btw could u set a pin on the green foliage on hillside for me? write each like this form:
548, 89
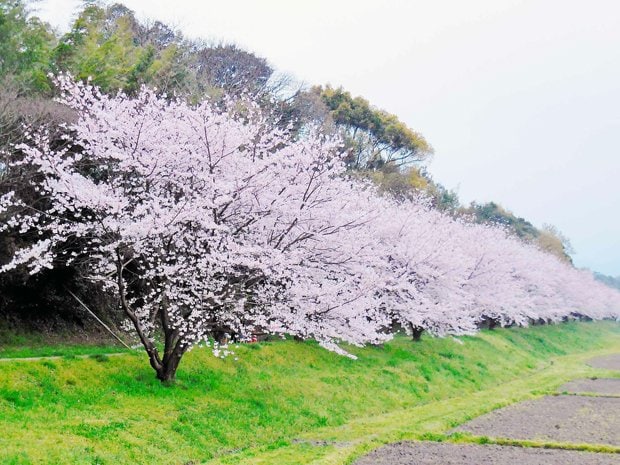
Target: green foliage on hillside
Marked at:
374, 137
110, 410
108, 45
112, 48
494, 213
548, 238
25, 47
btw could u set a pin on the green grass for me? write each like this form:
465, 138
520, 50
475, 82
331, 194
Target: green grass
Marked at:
470, 439
24, 345
281, 402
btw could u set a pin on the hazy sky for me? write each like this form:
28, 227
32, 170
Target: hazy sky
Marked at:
520, 98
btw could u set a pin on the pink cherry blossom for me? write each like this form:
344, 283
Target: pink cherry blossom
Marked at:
204, 219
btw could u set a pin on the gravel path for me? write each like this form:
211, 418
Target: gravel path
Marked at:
571, 419
428, 453
608, 362
600, 386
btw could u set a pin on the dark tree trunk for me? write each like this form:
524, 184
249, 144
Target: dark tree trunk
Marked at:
168, 370
174, 348
165, 367
416, 333
150, 348
488, 323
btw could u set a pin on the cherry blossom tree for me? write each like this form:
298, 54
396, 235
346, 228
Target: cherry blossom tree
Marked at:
205, 219
450, 276
201, 220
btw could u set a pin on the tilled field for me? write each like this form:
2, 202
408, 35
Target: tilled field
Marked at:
429, 453
599, 386
568, 419
608, 362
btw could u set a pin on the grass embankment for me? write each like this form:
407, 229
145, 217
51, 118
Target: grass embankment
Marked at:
280, 402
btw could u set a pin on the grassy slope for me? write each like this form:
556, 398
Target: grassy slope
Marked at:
281, 402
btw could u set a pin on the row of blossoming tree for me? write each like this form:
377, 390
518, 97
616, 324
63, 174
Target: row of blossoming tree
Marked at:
202, 219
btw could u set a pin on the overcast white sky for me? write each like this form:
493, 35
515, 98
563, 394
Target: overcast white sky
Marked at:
520, 98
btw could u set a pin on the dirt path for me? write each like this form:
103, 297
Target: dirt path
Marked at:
59, 357
428, 453
568, 419
598, 386
608, 362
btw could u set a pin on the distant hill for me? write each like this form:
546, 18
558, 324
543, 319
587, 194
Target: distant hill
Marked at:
611, 281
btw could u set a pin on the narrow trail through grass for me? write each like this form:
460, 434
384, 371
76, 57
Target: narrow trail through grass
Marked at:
282, 402
60, 357
35, 346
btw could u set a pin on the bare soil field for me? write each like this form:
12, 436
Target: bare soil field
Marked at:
599, 386
608, 362
568, 419
428, 453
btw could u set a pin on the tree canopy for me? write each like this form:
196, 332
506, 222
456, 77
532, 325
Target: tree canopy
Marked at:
374, 137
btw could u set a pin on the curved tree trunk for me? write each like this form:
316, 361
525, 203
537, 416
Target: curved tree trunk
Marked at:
168, 370
165, 367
